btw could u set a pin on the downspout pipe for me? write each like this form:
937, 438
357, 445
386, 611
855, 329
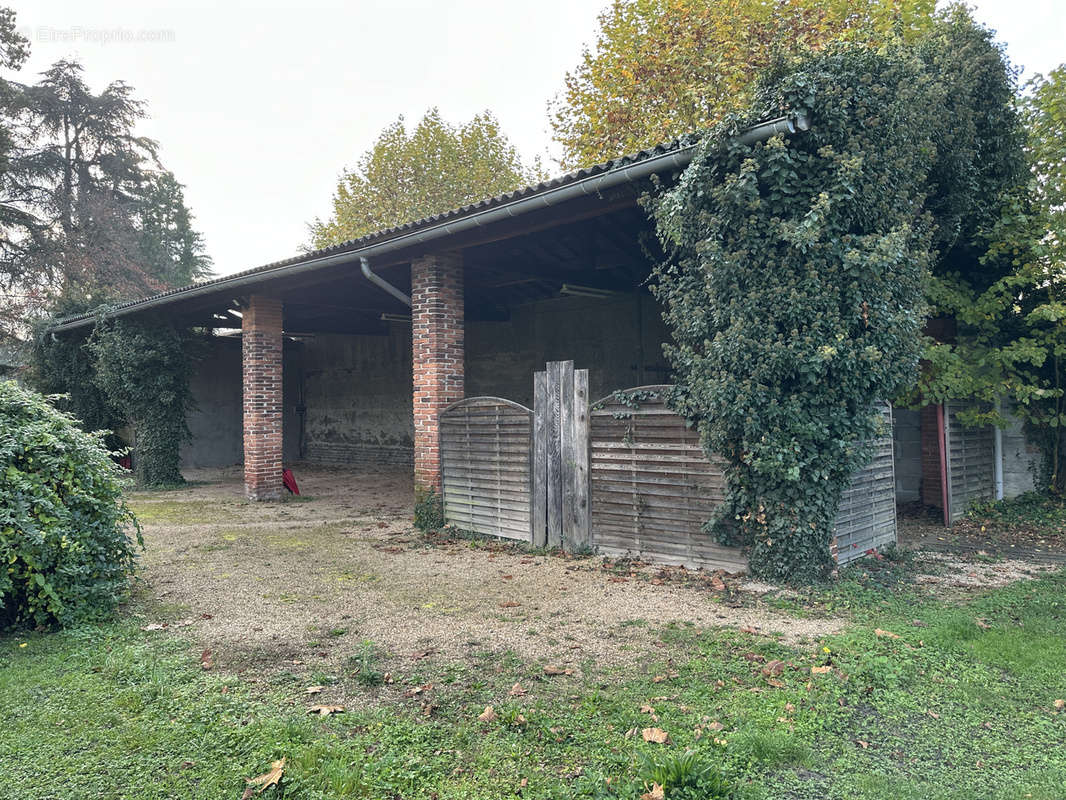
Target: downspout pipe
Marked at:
381, 283
592, 185
997, 453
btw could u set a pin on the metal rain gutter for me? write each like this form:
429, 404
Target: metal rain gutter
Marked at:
592, 185
381, 283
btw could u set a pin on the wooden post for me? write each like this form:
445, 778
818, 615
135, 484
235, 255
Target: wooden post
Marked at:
566, 453
581, 536
539, 479
555, 478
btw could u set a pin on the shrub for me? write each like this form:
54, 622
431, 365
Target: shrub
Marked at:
65, 539
429, 511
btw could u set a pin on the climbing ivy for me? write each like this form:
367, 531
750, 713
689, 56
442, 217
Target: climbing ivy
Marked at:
793, 290
143, 368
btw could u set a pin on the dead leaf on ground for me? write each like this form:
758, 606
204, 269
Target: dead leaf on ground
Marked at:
655, 735
646, 709
717, 584
748, 629
774, 667
883, 634
510, 604
982, 624
154, 626
325, 711
1060, 705
821, 670
714, 726
422, 654
488, 715
933, 714
205, 660
417, 690
313, 689
862, 744
267, 779
517, 690
551, 669
656, 793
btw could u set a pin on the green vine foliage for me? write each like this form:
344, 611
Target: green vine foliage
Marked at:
63, 365
143, 368
794, 291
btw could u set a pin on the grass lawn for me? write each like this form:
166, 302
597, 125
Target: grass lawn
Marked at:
960, 705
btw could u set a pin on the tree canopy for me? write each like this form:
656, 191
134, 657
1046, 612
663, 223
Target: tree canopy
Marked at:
92, 216
1010, 344
435, 167
663, 68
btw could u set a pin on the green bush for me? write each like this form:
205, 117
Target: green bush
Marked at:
429, 511
65, 543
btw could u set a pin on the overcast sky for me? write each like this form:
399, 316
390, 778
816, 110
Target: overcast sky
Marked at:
258, 108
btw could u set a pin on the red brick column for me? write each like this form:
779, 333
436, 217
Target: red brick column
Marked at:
262, 346
438, 352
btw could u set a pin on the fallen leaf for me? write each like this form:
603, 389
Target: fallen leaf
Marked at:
520, 720
775, 683
821, 670
1060, 705
789, 707
715, 726
982, 624
488, 715
510, 604
155, 626
551, 669
656, 735
313, 689
883, 634
933, 714
517, 690
416, 690
717, 584
747, 629
646, 709
774, 667
421, 654
862, 744
325, 711
267, 779
507, 577
656, 793
205, 660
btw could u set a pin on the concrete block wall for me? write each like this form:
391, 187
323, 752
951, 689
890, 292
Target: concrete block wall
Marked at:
358, 399
1021, 461
618, 340
907, 447
215, 421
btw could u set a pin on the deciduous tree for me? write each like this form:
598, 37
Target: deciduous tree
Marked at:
663, 68
433, 168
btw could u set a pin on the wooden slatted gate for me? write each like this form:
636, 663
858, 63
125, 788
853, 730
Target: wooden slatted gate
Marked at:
970, 462
652, 485
485, 446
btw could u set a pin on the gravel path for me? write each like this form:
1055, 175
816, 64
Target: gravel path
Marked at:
270, 584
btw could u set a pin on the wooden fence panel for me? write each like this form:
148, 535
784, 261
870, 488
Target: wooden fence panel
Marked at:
651, 485
970, 463
485, 445
866, 518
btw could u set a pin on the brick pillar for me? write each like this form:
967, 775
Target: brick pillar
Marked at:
262, 348
438, 353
